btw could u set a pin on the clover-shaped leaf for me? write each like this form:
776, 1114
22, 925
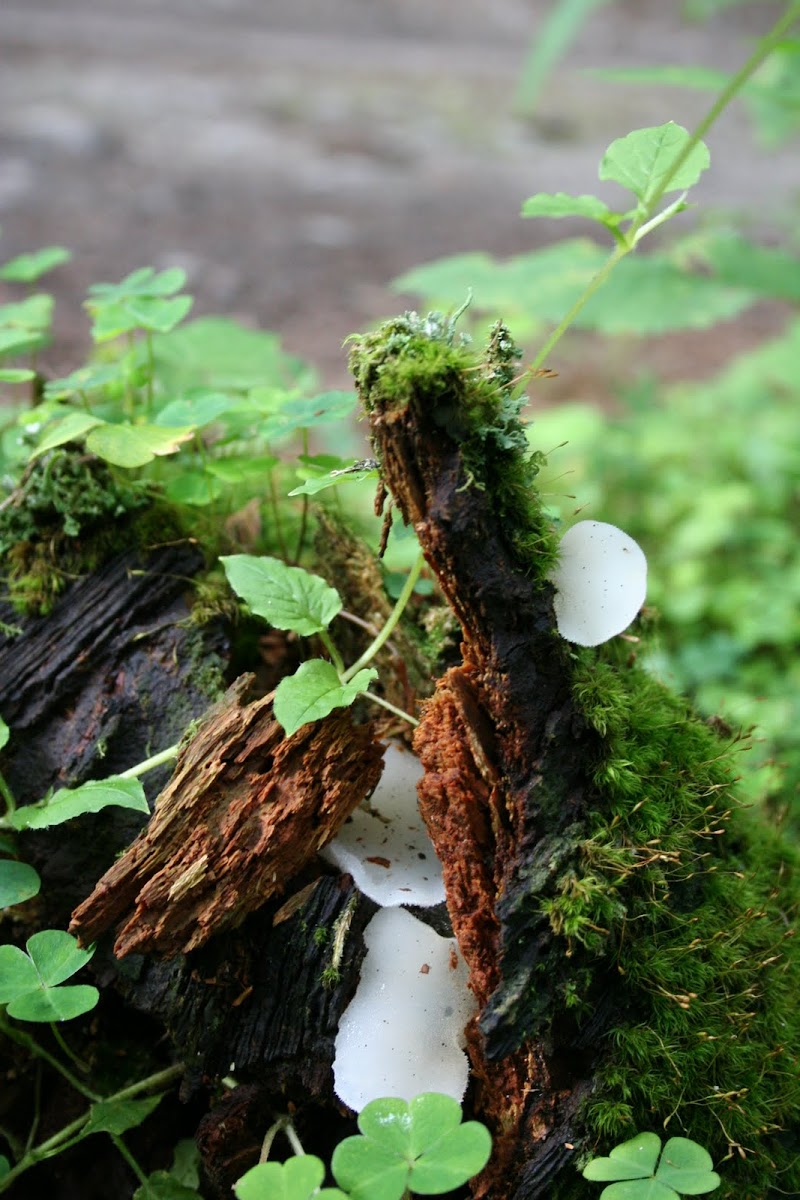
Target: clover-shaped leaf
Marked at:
684, 1169
29, 981
419, 1145
297, 1179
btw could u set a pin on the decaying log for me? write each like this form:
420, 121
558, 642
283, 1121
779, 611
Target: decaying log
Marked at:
113, 673
245, 809
507, 771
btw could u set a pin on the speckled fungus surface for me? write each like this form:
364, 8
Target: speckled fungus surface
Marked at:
385, 846
600, 580
403, 1031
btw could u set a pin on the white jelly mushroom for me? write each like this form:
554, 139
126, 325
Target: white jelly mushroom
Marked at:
385, 846
403, 1030
600, 580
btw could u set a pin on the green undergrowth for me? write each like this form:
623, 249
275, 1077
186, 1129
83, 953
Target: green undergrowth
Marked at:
69, 514
692, 898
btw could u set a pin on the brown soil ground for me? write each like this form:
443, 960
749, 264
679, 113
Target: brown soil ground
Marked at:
296, 158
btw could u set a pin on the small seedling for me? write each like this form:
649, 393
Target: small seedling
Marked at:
641, 1170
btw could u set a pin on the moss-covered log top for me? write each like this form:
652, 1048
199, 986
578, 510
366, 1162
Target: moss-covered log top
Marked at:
629, 930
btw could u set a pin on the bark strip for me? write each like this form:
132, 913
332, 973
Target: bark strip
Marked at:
245, 809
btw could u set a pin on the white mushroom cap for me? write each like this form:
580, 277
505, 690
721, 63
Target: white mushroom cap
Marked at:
403, 1030
600, 580
386, 847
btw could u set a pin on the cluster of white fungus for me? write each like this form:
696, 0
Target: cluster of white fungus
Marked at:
600, 580
403, 1031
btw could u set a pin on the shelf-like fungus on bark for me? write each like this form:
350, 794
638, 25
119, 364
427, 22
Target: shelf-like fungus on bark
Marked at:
600, 580
385, 845
403, 1031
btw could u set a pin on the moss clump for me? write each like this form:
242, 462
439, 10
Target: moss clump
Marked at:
694, 901
69, 514
478, 402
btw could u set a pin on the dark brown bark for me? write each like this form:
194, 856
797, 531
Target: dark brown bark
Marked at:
506, 785
245, 810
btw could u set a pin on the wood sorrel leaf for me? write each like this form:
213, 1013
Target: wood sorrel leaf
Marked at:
18, 882
641, 160
634, 1159
296, 1179
315, 690
90, 797
287, 597
27, 268
687, 1168
54, 1004
29, 981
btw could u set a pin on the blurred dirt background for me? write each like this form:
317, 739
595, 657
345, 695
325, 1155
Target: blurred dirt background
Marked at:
295, 158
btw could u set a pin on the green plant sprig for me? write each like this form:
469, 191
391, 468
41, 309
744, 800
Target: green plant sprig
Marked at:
644, 218
294, 599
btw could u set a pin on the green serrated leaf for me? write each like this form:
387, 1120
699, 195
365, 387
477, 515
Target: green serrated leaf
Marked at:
634, 1159
135, 445
27, 268
641, 160
54, 1004
117, 1116
18, 882
545, 204
90, 797
74, 426
287, 597
314, 691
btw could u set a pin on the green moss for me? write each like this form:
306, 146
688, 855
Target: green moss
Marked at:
70, 514
478, 402
693, 900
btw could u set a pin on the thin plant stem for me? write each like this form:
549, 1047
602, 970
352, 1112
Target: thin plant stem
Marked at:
276, 518
304, 514
72, 1133
329, 645
398, 712
30, 1044
8, 796
129, 1158
149, 764
66, 1048
284, 1125
630, 239
151, 370
391, 622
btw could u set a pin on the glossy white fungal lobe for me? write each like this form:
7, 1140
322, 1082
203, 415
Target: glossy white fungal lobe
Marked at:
385, 845
403, 1031
600, 580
